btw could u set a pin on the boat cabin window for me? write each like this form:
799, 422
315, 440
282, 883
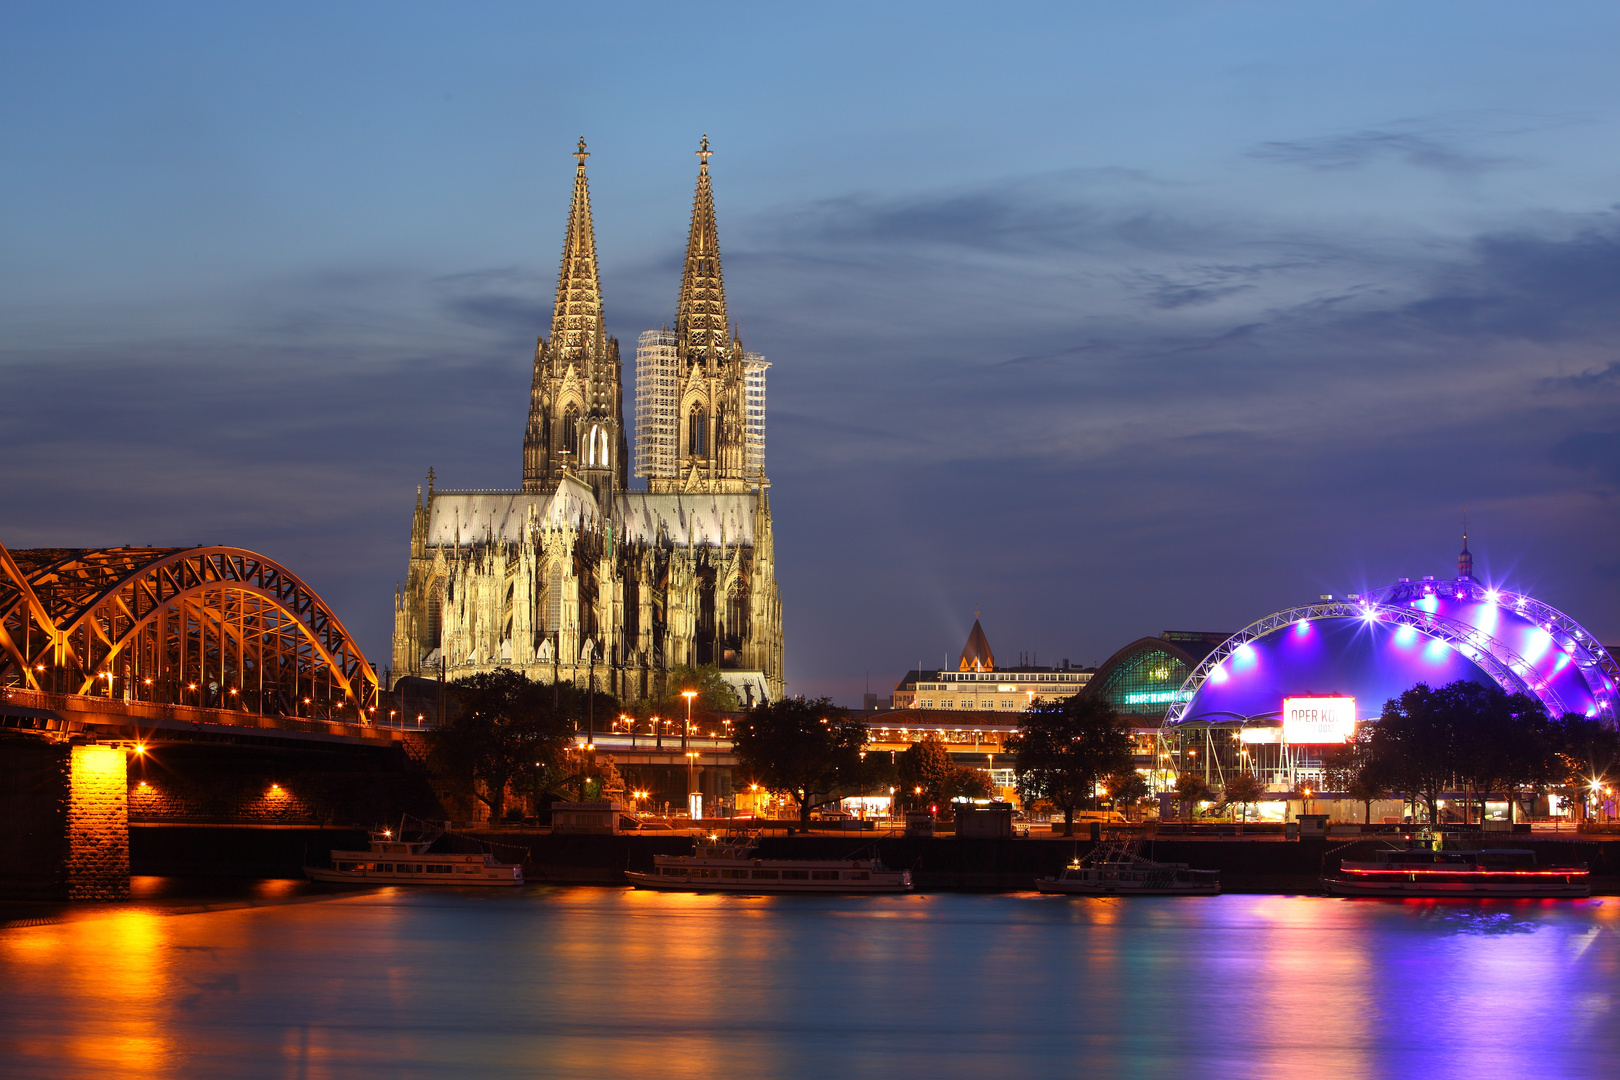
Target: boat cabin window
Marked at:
764, 875
795, 875
733, 873
674, 871
824, 875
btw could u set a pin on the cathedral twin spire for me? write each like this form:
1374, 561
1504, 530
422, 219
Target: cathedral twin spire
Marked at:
575, 410
700, 313
577, 326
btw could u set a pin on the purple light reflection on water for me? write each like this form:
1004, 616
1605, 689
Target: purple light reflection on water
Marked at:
591, 982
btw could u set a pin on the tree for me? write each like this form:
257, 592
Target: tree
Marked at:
1245, 789
1520, 748
1126, 787
714, 693
927, 776
1350, 769
1586, 753
1063, 748
1191, 789
1427, 741
804, 749
505, 729
1365, 786
1416, 741
1339, 767
922, 770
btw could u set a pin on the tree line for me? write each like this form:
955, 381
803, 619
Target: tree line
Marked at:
1474, 739
510, 732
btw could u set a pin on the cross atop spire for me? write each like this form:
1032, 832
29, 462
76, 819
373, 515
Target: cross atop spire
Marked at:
576, 321
700, 312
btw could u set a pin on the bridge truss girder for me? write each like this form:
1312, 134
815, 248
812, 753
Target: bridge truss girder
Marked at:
210, 625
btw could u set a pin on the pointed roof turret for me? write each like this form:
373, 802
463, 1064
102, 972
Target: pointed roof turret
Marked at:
576, 322
1465, 560
700, 313
976, 654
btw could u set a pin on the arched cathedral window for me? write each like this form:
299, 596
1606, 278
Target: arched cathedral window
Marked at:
697, 431
570, 430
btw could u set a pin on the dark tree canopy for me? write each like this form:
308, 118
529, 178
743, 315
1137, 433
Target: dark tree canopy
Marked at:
1191, 789
1126, 787
926, 765
1429, 741
505, 729
1062, 749
806, 749
1244, 789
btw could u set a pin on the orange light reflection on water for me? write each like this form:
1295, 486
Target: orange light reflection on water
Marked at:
116, 960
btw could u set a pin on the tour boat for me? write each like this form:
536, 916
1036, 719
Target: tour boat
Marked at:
728, 864
407, 862
1117, 869
1422, 869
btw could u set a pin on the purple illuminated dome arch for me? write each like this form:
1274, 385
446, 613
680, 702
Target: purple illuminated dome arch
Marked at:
1373, 647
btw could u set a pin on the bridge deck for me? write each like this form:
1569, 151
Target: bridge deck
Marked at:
101, 717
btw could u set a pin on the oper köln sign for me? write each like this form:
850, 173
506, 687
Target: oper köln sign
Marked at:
1318, 719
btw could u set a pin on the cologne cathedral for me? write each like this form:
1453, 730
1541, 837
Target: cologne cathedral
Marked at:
575, 577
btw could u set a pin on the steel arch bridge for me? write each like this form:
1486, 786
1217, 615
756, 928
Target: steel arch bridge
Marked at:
212, 626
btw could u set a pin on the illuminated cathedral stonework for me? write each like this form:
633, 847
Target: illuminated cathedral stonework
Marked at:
575, 577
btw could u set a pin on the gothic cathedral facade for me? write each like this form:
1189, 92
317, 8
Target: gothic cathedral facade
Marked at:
575, 577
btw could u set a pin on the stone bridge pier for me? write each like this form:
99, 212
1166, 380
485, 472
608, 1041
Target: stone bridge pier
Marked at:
67, 821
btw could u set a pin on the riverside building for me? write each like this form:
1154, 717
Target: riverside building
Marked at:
977, 685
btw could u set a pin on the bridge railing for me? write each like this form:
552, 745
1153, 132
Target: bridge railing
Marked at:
67, 705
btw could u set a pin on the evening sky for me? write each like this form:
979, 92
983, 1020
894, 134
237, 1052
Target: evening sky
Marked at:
1102, 319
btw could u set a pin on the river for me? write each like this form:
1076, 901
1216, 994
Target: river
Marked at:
598, 983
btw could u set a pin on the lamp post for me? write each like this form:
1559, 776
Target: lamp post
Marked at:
694, 798
658, 732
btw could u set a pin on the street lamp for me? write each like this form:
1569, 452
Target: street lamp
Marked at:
694, 798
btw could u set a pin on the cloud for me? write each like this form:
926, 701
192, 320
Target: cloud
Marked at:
1100, 412
1609, 375
1363, 148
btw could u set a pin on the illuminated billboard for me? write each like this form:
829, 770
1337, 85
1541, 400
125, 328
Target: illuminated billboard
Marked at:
1318, 719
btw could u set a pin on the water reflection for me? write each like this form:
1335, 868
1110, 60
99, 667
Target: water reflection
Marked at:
600, 982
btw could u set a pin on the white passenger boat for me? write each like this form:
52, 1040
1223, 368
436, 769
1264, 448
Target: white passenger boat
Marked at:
1118, 869
729, 864
394, 861
1424, 869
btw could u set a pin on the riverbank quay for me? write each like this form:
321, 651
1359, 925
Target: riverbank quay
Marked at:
940, 863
